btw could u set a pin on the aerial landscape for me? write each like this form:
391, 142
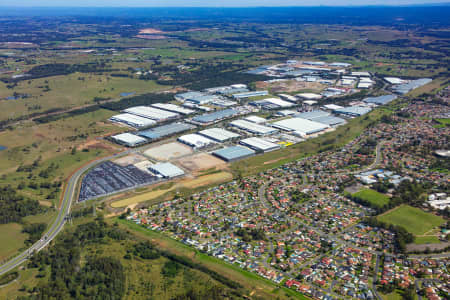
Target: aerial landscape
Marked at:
273, 150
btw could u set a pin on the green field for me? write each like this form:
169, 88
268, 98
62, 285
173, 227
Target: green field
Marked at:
426, 240
11, 239
442, 123
373, 197
414, 220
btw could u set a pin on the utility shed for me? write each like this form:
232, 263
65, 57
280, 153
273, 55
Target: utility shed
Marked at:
166, 170
219, 134
234, 153
259, 144
128, 139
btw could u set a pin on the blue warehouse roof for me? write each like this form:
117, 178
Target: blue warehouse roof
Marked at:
233, 153
215, 116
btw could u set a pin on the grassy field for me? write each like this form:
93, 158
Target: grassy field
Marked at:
442, 123
11, 239
373, 197
426, 240
189, 184
259, 286
412, 219
338, 138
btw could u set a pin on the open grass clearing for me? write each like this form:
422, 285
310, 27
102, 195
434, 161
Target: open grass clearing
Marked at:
373, 197
429, 239
414, 220
157, 192
11, 239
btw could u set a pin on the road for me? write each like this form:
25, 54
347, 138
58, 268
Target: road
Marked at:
58, 224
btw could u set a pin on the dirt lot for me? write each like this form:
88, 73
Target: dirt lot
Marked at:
290, 86
129, 160
168, 151
201, 161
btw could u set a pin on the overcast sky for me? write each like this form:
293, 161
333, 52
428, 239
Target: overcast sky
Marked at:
209, 3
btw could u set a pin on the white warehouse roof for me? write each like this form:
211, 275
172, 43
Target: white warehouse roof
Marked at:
151, 113
129, 139
166, 170
309, 96
253, 127
219, 134
195, 140
132, 120
174, 108
260, 144
255, 119
301, 126
279, 102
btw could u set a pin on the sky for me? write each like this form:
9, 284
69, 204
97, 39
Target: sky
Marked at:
207, 3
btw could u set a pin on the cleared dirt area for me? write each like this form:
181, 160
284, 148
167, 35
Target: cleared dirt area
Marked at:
168, 151
290, 86
201, 161
130, 160
150, 31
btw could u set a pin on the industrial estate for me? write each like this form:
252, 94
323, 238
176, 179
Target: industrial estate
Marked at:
257, 153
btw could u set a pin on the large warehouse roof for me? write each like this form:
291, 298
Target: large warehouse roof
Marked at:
129, 139
309, 96
219, 134
310, 115
195, 140
353, 110
233, 153
250, 94
260, 144
380, 99
165, 130
301, 126
174, 108
166, 170
255, 119
151, 113
132, 120
253, 127
215, 116
330, 120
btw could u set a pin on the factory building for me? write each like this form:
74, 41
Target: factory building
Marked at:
253, 127
230, 154
132, 120
128, 139
309, 96
380, 100
152, 113
166, 170
271, 103
255, 119
219, 135
259, 144
250, 94
195, 141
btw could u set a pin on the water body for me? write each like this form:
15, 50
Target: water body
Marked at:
2, 148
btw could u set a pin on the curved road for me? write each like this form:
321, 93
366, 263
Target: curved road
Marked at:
58, 224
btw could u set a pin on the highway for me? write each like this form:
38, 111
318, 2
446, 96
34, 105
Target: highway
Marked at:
69, 197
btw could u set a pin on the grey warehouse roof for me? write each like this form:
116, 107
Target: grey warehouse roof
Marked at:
165, 130
380, 99
233, 153
310, 115
167, 169
215, 116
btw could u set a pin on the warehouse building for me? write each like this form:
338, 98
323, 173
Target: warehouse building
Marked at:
174, 108
309, 96
259, 145
411, 85
216, 116
250, 94
152, 113
380, 100
234, 153
353, 111
160, 132
255, 119
132, 120
310, 115
166, 170
301, 127
128, 139
271, 103
289, 98
331, 121
195, 141
219, 135
253, 127
188, 95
